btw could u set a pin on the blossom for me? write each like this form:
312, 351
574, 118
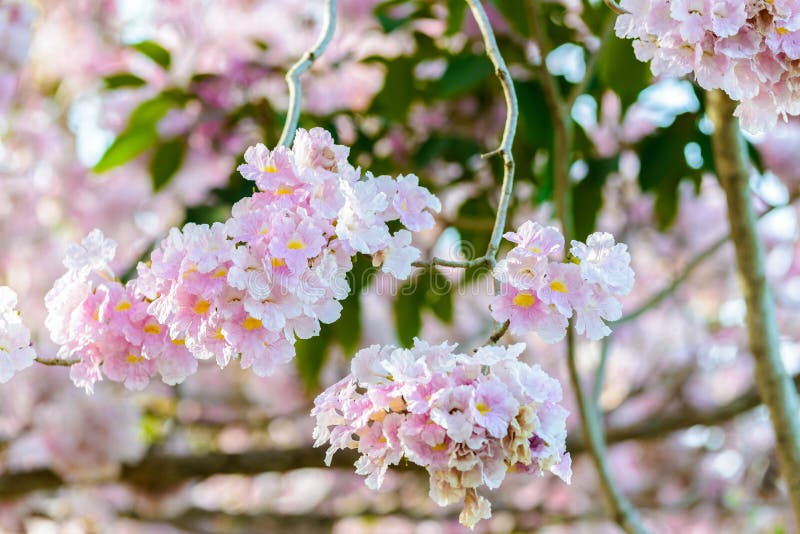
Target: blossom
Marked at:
93, 254
15, 351
747, 49
604, 262
244, 289
467, 420
538, 294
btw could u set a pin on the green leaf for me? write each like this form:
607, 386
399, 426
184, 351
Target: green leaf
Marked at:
619, 70
398, 91
166, 161
149, 112
408, 311
463, 74
535, 122
663, 165
470, 224
514, 13
456, 9
154, 51
127, 146
123, 80
439, 295
588, 196
310, 357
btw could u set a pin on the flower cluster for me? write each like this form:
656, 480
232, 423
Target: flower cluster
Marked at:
15, 339
467, 419
751, 49
245, 288
539, 294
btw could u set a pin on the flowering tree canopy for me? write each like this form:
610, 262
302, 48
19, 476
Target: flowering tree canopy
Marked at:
502, 265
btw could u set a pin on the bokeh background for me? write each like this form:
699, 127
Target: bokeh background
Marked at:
131, 116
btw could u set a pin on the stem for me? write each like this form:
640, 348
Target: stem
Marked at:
504, 150
562, 125
618, 507
510, 130
302, 65
776, 388
615, 7
56, 363
600, 372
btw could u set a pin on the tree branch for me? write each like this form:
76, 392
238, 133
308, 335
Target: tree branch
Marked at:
690, 267
510, 129
160, 473
777, 390
302, 65
619, 508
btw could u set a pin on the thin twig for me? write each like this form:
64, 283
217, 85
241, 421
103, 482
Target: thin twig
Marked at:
615, 7
690, 267
510, 129
302, 65
618, 506
774, 384
591, 66
504, 150
55, 363
600, 372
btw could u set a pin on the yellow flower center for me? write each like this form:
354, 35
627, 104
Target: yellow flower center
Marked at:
123, 305
295, 244
251, 323
218, 334
192, 269
440, 447
535, 250
179, 342
264, 230
483, 408
201, 307
221, 272
269, 167
781, 31
524, 300
278, 262
284, 190
558, 285
132, 358
152, 328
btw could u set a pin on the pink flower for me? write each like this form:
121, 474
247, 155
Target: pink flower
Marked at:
16, 353
411, 202
494, 407
532, 239
269, 170
526, 312
296, 240
563, 287
604, 262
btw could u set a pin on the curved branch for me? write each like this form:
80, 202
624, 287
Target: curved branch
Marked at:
302, 65
510, 129
777, 390
615, 7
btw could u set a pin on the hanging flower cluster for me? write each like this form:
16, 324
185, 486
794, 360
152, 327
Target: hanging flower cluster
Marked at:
750, 49
246, 288
467, 419
539, 294
15, 338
